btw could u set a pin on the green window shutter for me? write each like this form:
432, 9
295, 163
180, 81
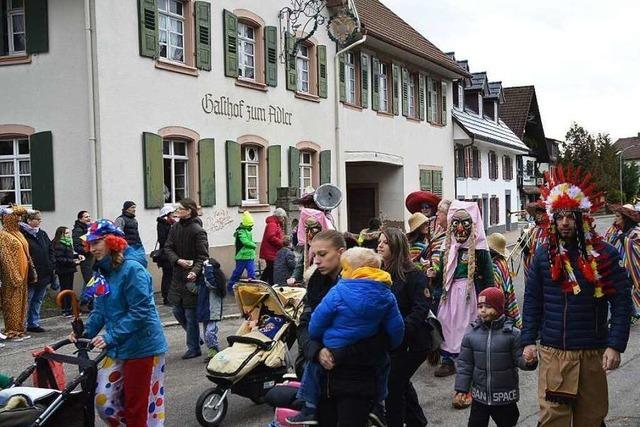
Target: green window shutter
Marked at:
230, 45
42, 188
148, 28
375, 84
274, 163
421, 96
203, 35
153, 170
207, 171
444, 103
271, 56
3, 30
234, 174
396, 80
292, 73
342, 77
325, 166
405, 92
294, 167
322, 71
437, 183
364, 81
426, 182
37, 26
429, 100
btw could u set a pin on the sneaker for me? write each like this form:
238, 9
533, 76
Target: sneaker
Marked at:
36, 329
377, 417
210, 355
191, 354
306, 417
445, 370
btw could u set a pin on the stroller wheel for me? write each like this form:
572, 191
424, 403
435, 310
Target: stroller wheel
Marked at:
206, 412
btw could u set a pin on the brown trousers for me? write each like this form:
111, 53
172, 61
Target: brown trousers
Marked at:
579, 372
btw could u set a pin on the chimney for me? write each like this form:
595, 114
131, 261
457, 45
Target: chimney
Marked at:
638, 134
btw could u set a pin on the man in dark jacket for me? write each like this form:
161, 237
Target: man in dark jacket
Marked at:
573, 283
164, 222
129, 224
186, 250
80, 228
42, 256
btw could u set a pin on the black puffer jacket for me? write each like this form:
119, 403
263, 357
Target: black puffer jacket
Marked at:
129, 224
163, 228
65, 258
79, 230
41, 252
489, 360
414, 304
187, 240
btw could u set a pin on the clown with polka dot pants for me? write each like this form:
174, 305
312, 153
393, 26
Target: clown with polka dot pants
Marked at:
125, 322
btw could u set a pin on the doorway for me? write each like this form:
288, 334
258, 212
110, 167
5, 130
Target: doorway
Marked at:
361, 206
507, 207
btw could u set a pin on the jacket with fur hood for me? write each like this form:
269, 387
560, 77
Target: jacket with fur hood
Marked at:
272, 239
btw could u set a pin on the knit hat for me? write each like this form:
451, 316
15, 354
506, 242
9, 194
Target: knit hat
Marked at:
166, 210
127, 205
493, 297
247, 219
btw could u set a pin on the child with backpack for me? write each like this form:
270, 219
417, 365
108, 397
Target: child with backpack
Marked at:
210, 301
245, 250
494, 386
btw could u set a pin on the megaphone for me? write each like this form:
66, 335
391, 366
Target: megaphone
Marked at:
327, 197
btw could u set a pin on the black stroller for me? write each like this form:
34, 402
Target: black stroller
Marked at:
48, 404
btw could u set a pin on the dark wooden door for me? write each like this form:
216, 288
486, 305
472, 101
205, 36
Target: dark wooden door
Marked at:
361, 207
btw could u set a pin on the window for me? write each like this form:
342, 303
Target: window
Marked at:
507, 168
530, 168
460, 162
176, 170
494, 210
383, 91
302, 66
474, 168
246, 51
493, 165
16, 35
413, 95
15, 171
250, 174
171, 31
435, 99
350, 75
306, 170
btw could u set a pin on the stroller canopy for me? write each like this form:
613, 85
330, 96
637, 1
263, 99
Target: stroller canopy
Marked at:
281, 300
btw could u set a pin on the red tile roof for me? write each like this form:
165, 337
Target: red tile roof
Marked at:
515, 109
380, 22
631, 153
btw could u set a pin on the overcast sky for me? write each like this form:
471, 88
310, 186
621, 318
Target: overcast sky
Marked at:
583, 56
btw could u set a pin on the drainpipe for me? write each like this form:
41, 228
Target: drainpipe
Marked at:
340, 170
92, 89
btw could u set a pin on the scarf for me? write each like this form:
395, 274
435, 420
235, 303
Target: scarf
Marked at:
66, 241
29, 229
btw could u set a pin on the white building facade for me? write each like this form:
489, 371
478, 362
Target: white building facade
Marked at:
156, 100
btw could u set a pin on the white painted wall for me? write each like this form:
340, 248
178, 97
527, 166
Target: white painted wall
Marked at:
50, 94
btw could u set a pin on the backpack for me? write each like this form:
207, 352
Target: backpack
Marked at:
214, 278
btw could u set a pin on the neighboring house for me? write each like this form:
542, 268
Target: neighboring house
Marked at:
157, 100
630, 154
521, 113
485, 149
395, 118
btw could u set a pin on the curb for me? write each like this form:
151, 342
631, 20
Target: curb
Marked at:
170, 323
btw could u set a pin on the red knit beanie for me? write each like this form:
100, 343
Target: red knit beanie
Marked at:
493, 297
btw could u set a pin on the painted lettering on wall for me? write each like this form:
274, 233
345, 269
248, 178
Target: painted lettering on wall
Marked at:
227, 107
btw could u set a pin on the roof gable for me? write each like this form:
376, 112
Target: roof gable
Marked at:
631, 153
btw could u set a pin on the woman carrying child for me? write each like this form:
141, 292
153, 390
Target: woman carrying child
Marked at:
412, 294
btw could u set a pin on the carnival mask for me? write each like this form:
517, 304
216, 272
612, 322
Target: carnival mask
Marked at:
312, 227
461, 225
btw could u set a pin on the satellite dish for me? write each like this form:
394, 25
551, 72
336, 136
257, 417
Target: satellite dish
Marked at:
327, 197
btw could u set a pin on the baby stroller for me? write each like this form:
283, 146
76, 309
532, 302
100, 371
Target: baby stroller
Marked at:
50, 402
258, 355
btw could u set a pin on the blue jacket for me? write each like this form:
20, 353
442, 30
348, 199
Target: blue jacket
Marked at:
573, 322
127, 313
355, 309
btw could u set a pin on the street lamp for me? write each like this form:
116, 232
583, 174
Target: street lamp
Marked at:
619, 153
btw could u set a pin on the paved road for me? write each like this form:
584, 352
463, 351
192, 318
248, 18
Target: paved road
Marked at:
185, 381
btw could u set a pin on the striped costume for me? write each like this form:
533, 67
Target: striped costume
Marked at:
502, 277
628, 246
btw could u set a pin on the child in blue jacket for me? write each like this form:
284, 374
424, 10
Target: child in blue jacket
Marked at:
357, 307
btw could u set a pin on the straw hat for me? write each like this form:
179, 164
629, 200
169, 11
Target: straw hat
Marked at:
416, 220
498, 243
627, 211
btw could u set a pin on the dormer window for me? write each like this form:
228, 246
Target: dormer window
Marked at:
480, 110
